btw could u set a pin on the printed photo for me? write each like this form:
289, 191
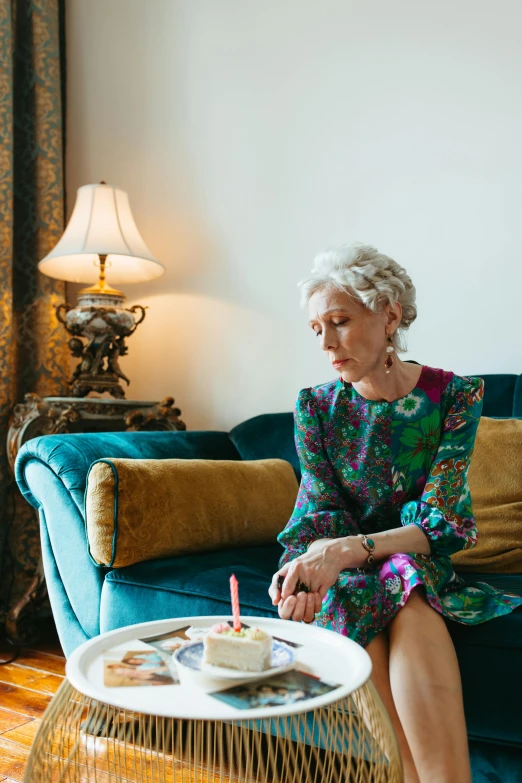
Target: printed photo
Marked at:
170, 641
287, 641
136, 668
288, 688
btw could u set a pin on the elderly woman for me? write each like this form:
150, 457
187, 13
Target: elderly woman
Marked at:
383, 502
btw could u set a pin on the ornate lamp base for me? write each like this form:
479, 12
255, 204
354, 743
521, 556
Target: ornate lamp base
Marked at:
99, 325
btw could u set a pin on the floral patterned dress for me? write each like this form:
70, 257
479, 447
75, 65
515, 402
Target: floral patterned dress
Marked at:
370, 465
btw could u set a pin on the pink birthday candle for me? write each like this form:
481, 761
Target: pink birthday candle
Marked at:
235, 602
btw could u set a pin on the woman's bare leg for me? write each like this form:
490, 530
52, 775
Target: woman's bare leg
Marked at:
377, 649
427, 692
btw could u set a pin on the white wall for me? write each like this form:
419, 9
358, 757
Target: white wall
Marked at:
250, 135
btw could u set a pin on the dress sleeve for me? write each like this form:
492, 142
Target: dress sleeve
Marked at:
444, 510
321, 509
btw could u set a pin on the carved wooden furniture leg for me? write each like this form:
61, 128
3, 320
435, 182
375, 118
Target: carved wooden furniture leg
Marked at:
19, 626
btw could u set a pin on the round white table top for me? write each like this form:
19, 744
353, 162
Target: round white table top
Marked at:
325, 655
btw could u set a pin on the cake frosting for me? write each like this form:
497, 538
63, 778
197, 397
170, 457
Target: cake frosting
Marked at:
249, 649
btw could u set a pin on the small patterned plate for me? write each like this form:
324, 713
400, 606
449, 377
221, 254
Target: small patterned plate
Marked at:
191, 656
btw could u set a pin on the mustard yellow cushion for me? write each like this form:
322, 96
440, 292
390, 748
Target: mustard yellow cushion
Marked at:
495, 481
141, 509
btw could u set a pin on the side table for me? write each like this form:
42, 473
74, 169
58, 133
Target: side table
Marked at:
57, 415
180, 732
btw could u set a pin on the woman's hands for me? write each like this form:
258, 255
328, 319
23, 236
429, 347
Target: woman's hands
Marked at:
303, 606
318, 568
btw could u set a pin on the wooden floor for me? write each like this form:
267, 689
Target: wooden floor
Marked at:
26, 688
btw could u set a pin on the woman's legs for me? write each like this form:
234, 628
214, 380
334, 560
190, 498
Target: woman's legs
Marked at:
378, 651
427, 692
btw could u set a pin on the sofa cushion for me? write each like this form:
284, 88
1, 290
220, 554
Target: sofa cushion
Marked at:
496, 493
197, 584
70, 456
492, 689
139, 510
204, 579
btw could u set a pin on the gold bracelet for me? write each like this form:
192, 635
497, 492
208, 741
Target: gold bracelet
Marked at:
369, 545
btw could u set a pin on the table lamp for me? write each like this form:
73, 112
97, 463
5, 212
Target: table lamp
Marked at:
101, 244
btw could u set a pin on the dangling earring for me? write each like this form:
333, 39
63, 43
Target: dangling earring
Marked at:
389, 350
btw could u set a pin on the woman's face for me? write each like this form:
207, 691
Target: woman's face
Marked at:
353, 335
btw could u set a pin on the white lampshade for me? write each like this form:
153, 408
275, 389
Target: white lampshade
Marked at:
101, 223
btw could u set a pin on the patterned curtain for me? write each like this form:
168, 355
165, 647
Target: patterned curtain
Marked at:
33, 355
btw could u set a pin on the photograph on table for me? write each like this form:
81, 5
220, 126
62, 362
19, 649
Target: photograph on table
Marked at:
135, 668
283, 689
170, 641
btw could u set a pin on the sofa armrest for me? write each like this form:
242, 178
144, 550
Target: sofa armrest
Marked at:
51, 472
70, 456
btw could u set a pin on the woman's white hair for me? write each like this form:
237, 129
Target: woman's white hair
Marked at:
367, 275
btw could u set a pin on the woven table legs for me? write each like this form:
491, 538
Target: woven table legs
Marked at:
81, 739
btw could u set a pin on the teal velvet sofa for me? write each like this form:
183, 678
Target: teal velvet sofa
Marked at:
87, 600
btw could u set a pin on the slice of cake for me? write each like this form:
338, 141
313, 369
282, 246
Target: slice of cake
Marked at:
249, 649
